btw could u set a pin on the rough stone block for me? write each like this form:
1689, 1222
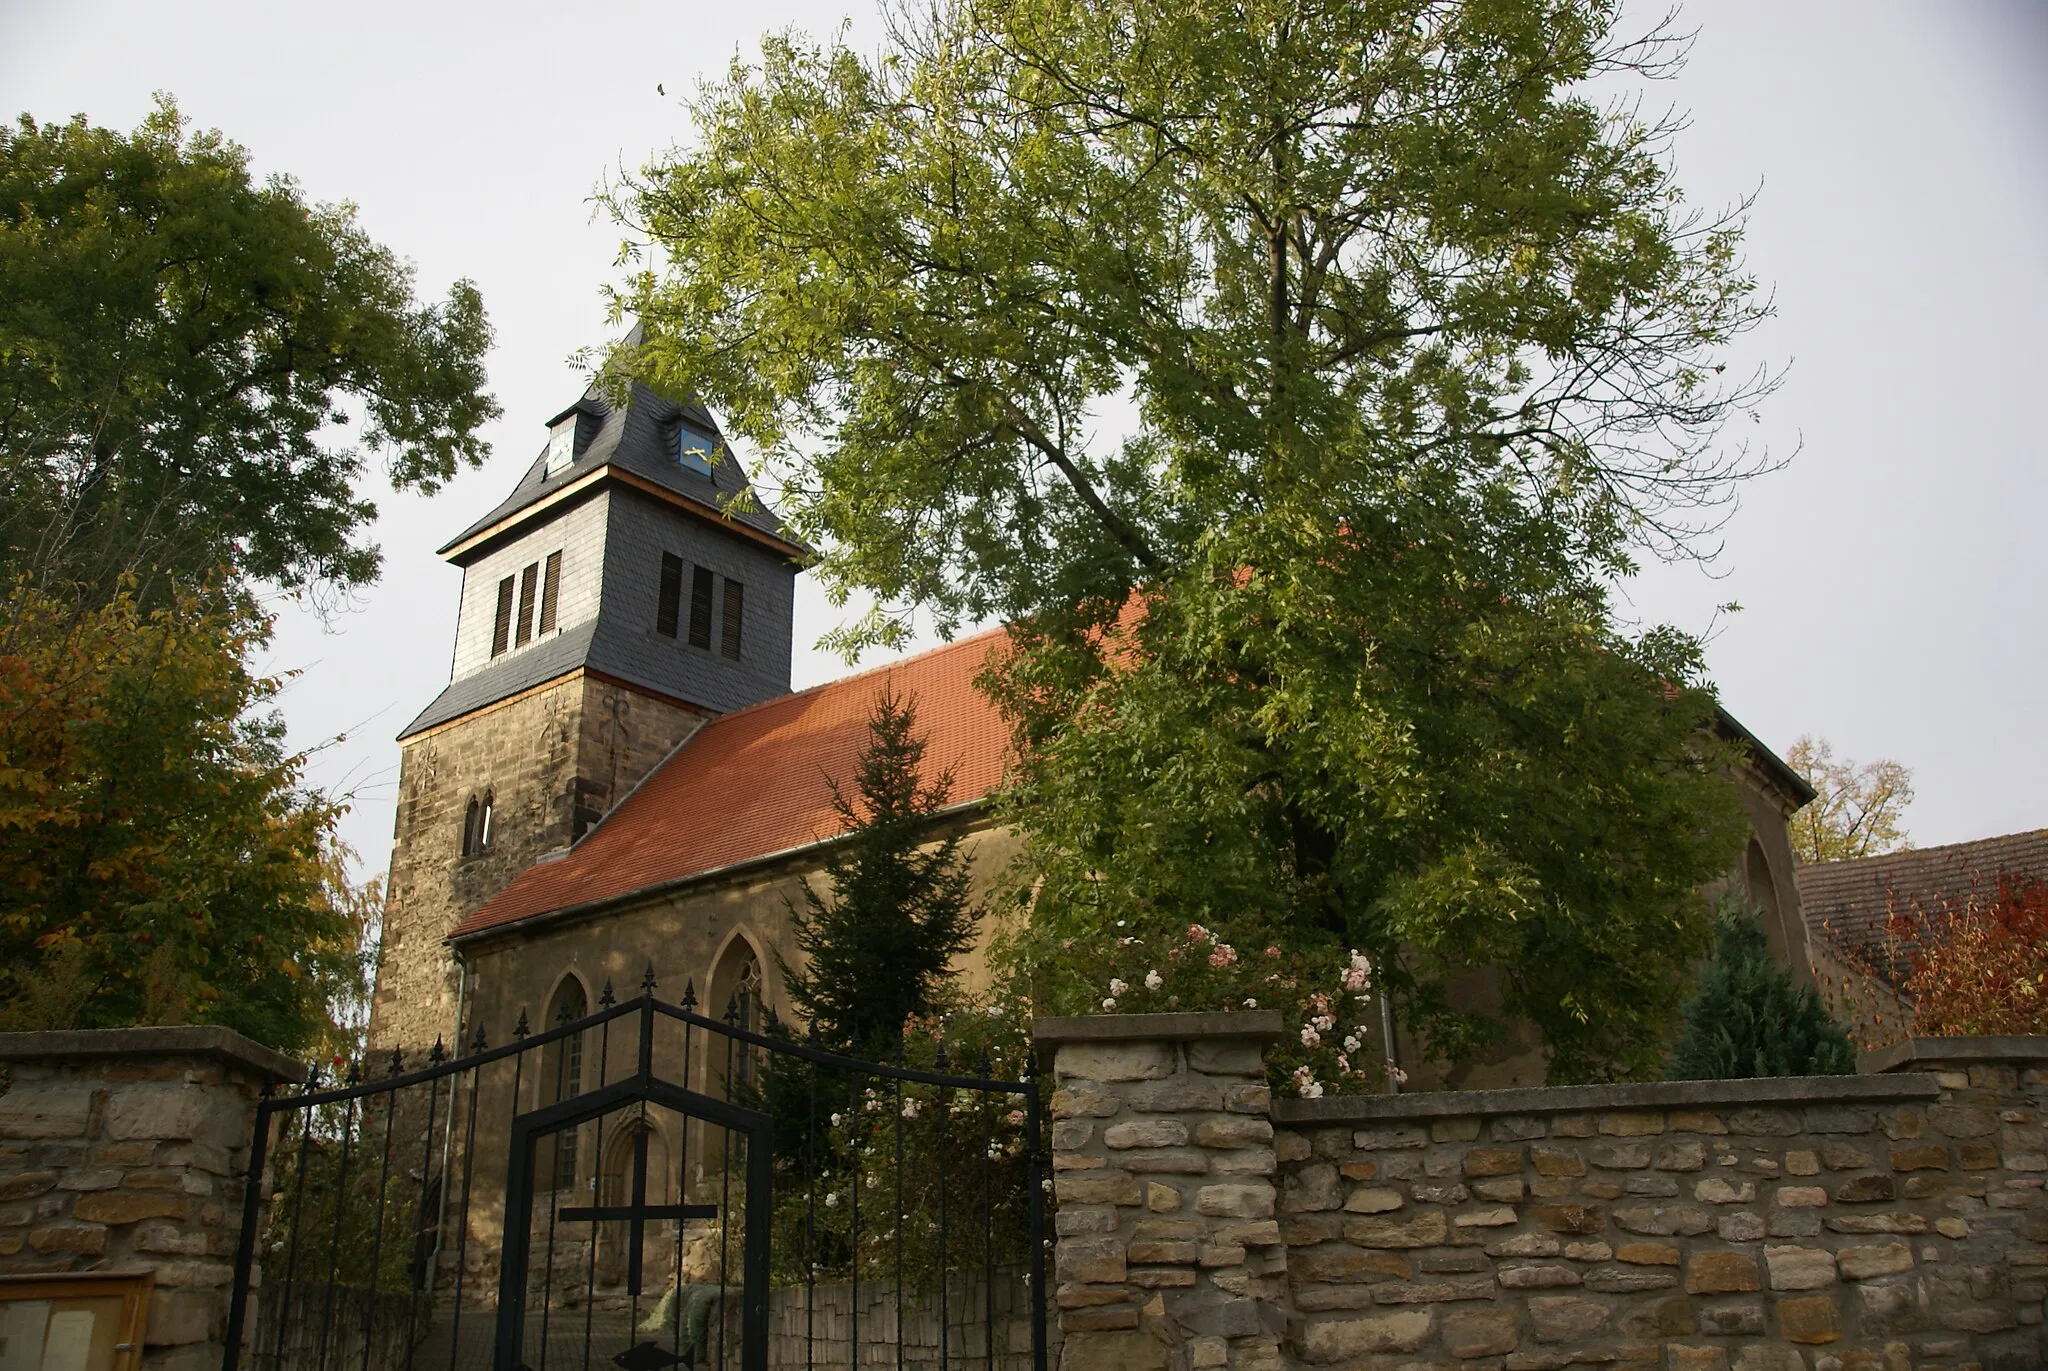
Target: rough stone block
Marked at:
1866, 1189
1233, 1133
1455, 1193
1809, 1319
1800, 1197
185, 1316
1481, 1332
1695, 1121
1588, 1251
1453, 1130
1084, 1101
1566, 1318
1108, 1318
1743, 1318
1622, 1156
1662, 1187
1388, 1137
1341, 1262
1832, 1118
1310, 1189
1976, 1157
1254, 1233
1161, 1199
1537, 1277
1878, 1259
1505, 1188
1721, 1272
1524, 1245
1071, 1134
1647, 1254
1426, 1229
115, 1206
1129, 1061
1433, 1292
33, 1112
1501, 1217
1902, 1221
1245, 1161
1800, 1268
1146, 1133
1683, 1156
1800, 1162
1568, 1218
1162, 1253
1683, 1357
1373, 1200
1962, 1121
1226, 1057
1926, 1157
1113, 1188
1178, 1161
1557, 1161
1664, 1220
1168, 1277
1741, 1226
1716, 1190
1763, 1123
1235, 1201
1176, 1095
1092, 1261
1333, 1340
1841, 1156
1492, 1161
1629, 1280
1632, 1125
69, 1239
1516, 1128
1768, 1357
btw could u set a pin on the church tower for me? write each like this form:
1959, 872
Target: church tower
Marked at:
613, 602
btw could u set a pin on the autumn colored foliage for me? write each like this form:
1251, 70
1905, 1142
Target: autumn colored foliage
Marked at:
165, 861
1974, 966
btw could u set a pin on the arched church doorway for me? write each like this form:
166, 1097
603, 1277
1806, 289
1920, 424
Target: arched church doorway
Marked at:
615, 1187
563, 1070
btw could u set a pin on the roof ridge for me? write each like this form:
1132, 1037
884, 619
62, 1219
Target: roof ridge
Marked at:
876, 670
1907, 854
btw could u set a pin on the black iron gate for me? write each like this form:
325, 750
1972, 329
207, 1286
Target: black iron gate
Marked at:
649, 1187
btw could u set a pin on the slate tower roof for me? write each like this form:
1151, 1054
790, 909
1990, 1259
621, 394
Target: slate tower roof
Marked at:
584, 541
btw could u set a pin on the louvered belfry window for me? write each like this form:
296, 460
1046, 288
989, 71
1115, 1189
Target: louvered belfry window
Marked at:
670, 604
501, 633
700, 607
735, 602
529, 586
550, 592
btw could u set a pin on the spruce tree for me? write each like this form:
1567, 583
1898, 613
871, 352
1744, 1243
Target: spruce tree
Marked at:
1748, 1019
881, 947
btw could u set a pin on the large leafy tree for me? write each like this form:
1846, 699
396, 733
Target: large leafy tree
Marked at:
163, 860
1298, 376
195, 367
1856, 811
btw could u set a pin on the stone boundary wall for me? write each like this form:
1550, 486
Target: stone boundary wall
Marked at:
126, 1150
1884, 1222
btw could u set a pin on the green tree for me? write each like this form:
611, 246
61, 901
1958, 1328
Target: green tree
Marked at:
1856, 811
1748, 1019
194, 366
881, 947
163, 860
1298, 378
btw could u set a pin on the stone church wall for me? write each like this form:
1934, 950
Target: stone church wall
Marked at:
553, 760
1888, 1221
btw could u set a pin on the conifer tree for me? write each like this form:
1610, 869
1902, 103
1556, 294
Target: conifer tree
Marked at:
1748, 1019
881, 947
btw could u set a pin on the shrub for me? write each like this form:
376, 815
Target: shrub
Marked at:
1978, 965
1749, 1019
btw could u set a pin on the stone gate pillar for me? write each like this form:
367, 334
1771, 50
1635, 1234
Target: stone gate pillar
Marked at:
1169, 1255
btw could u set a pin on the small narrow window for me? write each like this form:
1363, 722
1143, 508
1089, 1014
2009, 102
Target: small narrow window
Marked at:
666, 612
469, 817
483, 824
550, 592
735, 602
561, 446
700, 608
529, 584
501, 636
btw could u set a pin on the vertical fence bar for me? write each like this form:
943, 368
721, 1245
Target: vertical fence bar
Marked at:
1037, 1179
811, 1211
899, 1208
468, 1178
252, 1216
732, 1018
291, 1264
341, 1208
383, 1189
988, 1223
419, 1280
939, 1066
604, 1052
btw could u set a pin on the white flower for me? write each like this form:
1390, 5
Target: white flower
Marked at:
1351, 1042
1109, 1003
995, 1011
1118, 987
1251, 1004
1153, 980
832, 1199
835, 1121
1312, 1091
1309, 1036
910, 1109
1324, 1023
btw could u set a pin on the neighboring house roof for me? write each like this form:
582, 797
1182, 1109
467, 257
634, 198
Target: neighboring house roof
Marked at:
1852, 900
754, 783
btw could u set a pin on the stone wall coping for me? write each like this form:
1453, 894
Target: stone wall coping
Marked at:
196, 1040
1261, 1024
1577, 1099
1900, 1056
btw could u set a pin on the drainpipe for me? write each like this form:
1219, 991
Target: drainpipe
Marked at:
1387, 1037
448, 1137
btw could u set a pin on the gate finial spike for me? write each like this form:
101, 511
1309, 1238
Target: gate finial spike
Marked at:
397, 1060
939, 1061
563, 1016
521, 1030
981, 1063
689, 1000
812, 1033
354, 1076
477, 1043
312, 1078
732, 1009
438, 1054
647, 981
607, 999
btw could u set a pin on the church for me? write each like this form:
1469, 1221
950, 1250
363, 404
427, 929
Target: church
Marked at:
618, 774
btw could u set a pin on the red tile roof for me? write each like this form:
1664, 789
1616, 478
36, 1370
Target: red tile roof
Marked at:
1851, 899
753, 783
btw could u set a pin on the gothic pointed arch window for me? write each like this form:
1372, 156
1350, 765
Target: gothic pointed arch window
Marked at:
485, 825
469, 817
562, 1071
738, 991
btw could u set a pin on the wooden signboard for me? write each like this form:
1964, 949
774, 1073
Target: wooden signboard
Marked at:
91, 1322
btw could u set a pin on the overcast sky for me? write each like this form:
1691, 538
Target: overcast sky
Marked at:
1891, 579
